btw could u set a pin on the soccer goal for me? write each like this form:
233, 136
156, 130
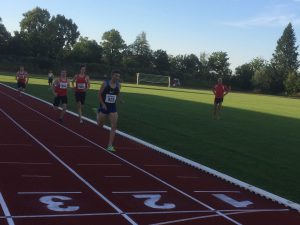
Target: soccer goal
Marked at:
152, 79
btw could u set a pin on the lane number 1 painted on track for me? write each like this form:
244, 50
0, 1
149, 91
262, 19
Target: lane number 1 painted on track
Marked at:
233, 202
56, 203
151, 201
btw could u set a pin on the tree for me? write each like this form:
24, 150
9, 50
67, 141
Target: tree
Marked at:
86, 50
243, 77
191, 65
142, 52
5, 37
47, 37
34, 30
258, 63
292, 83
263, 78
161, 61
219, 62
113, 45
285, 58
62, 34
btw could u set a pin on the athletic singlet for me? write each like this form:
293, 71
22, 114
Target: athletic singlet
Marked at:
81, 83
61, 87
109, 94
21, 76
219, 90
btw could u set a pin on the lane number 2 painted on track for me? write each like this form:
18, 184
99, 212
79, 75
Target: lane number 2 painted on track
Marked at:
151, 201
56, 203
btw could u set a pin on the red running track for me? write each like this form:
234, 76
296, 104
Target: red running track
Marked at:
60, 174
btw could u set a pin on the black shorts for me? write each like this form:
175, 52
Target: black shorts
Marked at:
80, 97
218, 100
21, 85
60, 99
50, 80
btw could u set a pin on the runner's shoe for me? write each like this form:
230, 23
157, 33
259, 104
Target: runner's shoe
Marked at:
111, 148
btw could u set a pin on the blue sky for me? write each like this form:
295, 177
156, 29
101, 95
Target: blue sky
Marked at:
243, 28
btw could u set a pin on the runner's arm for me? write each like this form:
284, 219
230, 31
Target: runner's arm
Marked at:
101, 101
88, 82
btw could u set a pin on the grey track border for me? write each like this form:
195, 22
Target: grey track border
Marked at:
189, 162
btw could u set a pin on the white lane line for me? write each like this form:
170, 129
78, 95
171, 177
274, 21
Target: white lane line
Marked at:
233, 212
162, 165
211, 216
6, 210
187, 177
99, 164
35, 176
217, 191
22, 145
126, 161
137, 192
129, 148
48, 192
25, 163
117, 176
71, 170
72, 146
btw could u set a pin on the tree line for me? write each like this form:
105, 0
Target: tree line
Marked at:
47, 42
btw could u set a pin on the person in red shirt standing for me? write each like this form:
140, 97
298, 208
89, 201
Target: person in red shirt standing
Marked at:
22, 80
82, 83
219, 91
60, 89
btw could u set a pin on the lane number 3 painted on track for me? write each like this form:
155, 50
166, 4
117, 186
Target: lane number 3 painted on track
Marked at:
56, 203
151, 201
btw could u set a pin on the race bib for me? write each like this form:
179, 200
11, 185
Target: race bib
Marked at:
110, 98
81, 85
63, 85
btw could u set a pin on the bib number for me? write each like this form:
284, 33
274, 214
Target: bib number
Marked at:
81, 86
63, 85
110, 98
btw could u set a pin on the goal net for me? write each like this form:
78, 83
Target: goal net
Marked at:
152, 79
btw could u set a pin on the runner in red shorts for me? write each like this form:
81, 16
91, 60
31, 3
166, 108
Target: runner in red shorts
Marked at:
219, 91
82, 83
60, 89
22, 80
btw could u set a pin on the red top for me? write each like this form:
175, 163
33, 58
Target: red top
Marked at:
81, 83
21, 76
220, 89
61, 87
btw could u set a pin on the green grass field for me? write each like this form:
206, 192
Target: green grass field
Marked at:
257, 139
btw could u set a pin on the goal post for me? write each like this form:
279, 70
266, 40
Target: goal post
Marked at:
152, 79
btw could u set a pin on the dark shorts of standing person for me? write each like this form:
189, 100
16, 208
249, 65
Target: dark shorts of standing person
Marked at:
50, 80
21, 85
110, 109
80, 97
218, 100
60, 99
